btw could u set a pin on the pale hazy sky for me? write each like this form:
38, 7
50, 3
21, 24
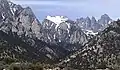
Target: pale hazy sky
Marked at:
73, 8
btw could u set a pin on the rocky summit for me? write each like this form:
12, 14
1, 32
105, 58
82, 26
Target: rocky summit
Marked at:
91, 26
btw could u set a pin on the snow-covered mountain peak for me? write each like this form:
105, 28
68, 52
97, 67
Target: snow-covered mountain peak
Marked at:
57, 19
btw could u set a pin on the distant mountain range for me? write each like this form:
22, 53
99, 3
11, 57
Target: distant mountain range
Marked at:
93, 26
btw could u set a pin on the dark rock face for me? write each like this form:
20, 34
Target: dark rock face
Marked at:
48, 40
65, 32
101, 52
88, 23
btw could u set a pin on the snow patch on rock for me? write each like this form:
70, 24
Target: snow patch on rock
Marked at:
90, 32
57, 19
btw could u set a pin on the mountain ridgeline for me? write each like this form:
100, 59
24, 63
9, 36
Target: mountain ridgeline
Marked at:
93, 24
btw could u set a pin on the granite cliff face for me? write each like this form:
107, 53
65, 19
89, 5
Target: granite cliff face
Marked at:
64, 31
